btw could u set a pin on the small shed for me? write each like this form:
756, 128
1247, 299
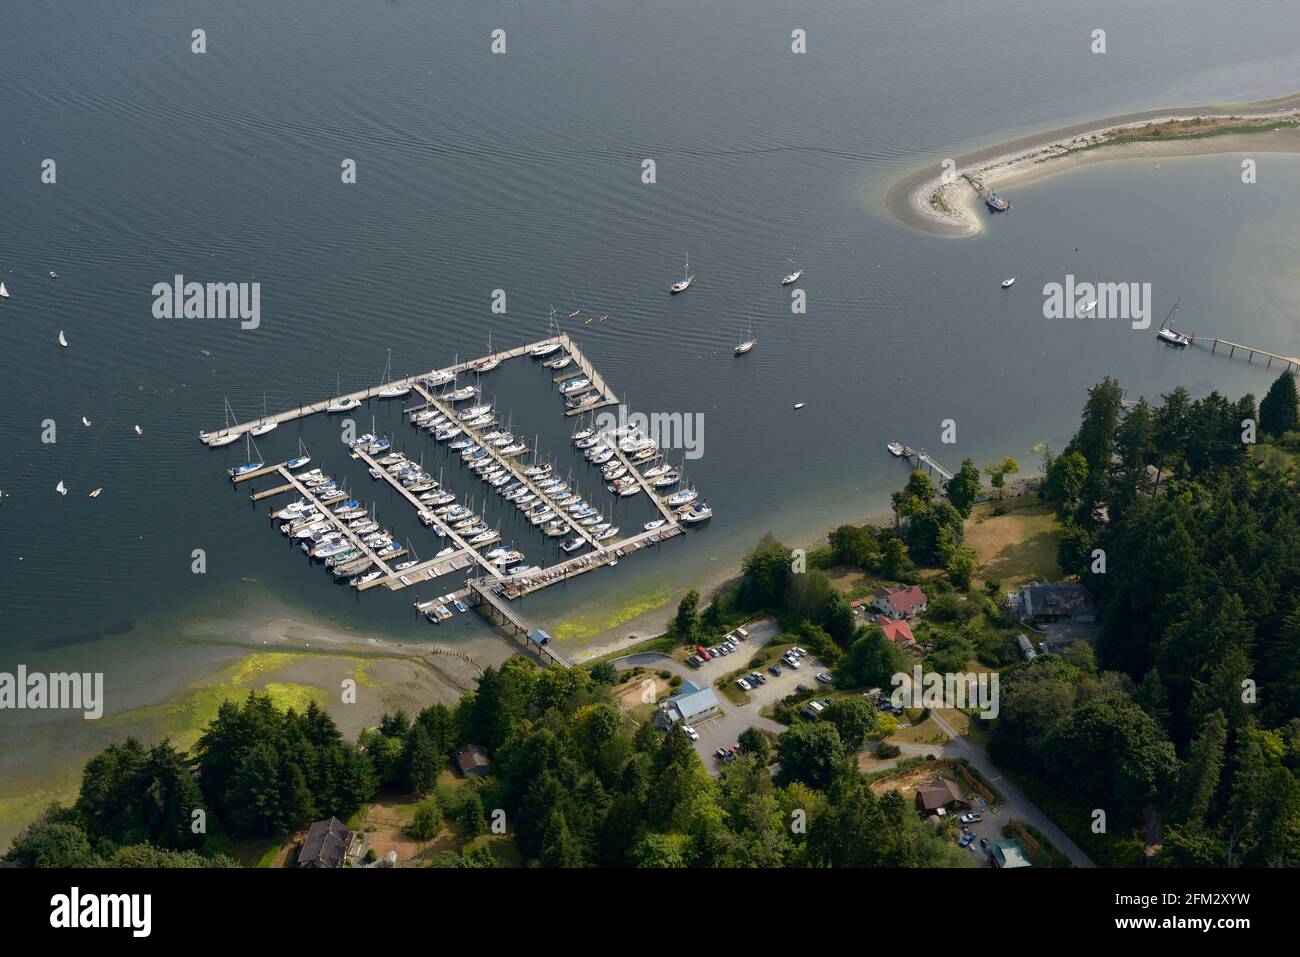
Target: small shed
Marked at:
473, 761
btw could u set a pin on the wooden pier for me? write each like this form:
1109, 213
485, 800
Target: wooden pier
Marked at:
486, 592
517, 587
337, 522
361, 395
512, 466
655, 498
1292, 363
406, 493
922, 459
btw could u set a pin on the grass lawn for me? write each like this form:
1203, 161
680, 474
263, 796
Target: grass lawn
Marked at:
1017, 546
975, 730
927, 732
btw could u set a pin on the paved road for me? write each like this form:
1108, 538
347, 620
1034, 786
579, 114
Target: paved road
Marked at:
723, 730
1014, 805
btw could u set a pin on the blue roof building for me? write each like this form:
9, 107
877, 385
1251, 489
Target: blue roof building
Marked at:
690, 704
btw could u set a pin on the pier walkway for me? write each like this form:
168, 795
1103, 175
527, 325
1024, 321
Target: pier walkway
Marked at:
461, 544
487, 592
1292, 363
510, 464
337, 522
922, 458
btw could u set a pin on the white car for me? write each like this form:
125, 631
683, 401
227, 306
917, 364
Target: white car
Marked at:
744, 685
691, 732
799, 651
742, 633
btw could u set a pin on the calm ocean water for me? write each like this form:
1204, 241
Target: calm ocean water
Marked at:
522, 172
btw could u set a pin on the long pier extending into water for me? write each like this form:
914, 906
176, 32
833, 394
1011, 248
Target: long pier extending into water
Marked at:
1291, 363
361, 395
922, 458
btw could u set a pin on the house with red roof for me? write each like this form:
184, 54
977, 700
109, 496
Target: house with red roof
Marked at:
905, 601
896, 631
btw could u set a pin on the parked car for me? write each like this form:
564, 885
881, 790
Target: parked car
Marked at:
695, 661
703, 653
729, 636
742, 633
984, 843
691, 732
759, 677
744, 685
966, 840
721, 754
825, 677
775, 669
793, 663
799, 651
971, 818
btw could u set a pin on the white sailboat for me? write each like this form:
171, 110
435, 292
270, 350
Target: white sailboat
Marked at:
4, 293
547, 348
341, 404
61, 488
263, 426
746, 344
684, 283
85, 421
392, 390
1166, 334
488, 362
139, 431
225, 436
302, 459
251, 464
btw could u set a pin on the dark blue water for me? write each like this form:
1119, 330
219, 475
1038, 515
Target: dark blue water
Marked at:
522, 172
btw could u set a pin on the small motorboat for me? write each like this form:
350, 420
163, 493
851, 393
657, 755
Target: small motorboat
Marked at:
996, 203
95, 493
63, 340
139, 431
53, 274
651, 526
895, 449
799, 405
1006, 283
792, 278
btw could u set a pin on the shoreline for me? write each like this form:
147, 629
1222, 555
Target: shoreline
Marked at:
912, 200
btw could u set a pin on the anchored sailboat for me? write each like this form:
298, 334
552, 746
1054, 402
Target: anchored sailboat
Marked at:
685, 282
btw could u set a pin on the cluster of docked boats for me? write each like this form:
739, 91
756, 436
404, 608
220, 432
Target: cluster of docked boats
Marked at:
332, 527
543, 498
438, 610
618, 452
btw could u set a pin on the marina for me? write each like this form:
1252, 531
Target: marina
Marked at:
340, 530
